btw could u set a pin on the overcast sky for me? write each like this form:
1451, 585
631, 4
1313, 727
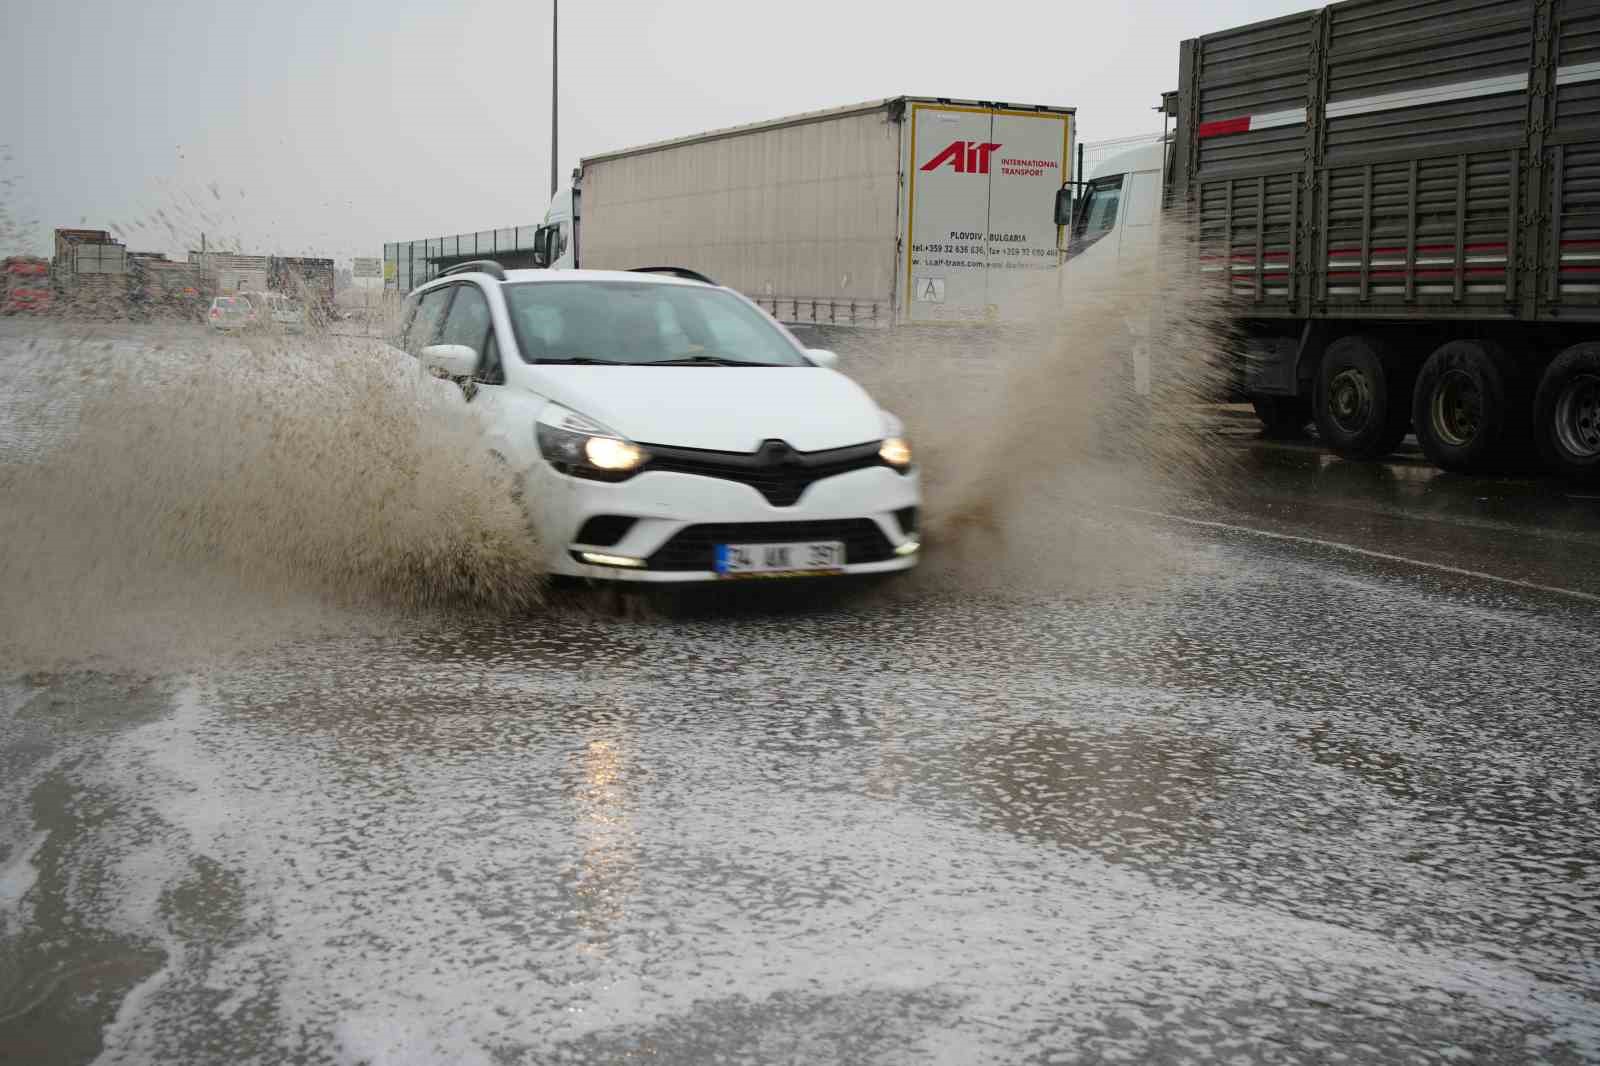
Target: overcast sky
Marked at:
321, 128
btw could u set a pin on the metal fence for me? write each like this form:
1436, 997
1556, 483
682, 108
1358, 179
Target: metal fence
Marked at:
407, 264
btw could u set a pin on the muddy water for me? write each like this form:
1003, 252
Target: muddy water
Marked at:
168, 492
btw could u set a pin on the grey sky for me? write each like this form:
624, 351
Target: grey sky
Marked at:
325, 129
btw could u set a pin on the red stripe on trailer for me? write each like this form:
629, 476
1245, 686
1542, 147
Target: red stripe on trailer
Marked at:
1218, 127
1422, 249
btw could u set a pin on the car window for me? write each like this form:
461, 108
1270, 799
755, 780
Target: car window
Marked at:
425, 323
625, 322
733, 333
468, 321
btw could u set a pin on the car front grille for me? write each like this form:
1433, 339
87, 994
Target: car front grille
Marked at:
775, 470
694, 547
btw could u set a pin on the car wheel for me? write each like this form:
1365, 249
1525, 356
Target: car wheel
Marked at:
1360, 398
1466, 406
1282, 416
1566, 413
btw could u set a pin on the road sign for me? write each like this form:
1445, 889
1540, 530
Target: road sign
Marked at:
367, 268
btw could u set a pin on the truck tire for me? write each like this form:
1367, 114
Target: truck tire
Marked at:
1468, 408
1282, 416
1566, 413
1361, 398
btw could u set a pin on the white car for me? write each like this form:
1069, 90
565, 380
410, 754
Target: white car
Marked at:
666, 429
231, 312
278, 311
256, 310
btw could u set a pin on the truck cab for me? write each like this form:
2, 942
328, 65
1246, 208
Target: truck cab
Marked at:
1118, 211
1114, 235
555, 243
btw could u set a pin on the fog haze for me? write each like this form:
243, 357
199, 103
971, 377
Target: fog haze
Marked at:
313, 129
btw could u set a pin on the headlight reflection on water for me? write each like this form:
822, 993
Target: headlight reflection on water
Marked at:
607, 873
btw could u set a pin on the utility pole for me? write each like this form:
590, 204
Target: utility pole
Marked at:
555, 6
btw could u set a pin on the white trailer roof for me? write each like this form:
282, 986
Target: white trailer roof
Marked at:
818, 116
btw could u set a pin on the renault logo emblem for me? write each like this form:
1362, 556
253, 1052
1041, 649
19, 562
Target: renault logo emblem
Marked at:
778, 453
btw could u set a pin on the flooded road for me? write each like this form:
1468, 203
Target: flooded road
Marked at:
1306, 769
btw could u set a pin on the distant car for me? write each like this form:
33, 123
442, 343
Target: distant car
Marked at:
666, 429
231, 312
257, 310
278, 311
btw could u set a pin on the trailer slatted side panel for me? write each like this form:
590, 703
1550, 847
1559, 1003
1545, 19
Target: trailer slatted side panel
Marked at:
1247, 232
1257, 71
1575, 228
1405, 77
1442, 125
1578, 52
1436, 230
1374, 26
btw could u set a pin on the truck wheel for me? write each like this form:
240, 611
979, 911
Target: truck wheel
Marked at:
1566, 413
1466, 407
1360, 399
1282, 416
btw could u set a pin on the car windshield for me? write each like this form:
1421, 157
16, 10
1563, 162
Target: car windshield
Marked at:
643, 323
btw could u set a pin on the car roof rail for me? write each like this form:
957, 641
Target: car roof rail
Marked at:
676, 272
477, 266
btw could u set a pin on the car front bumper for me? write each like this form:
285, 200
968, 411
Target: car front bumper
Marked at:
678, 518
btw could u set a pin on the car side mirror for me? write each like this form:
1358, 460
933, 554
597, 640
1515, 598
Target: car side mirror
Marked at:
451, 360
823, 357
1064, 206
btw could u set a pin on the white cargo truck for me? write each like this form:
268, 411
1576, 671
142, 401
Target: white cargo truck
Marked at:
910, 209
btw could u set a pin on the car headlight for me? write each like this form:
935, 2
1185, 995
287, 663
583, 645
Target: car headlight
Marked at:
896, 451
579, 447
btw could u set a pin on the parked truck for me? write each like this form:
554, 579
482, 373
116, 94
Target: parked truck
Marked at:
910, 209
1401, 200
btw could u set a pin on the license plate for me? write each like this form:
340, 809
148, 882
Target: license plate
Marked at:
758, 560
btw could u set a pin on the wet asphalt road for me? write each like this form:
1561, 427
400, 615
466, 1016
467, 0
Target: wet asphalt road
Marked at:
1297, 767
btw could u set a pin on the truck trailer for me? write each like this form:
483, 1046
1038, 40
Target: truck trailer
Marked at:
909, 209
1401, 201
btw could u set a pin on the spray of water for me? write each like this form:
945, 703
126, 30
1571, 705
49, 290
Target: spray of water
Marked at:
194, 486
1035, 437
